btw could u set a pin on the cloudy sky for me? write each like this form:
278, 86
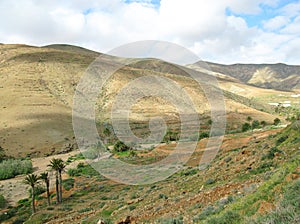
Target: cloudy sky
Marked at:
224, 31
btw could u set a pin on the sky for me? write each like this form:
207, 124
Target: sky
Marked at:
222, 31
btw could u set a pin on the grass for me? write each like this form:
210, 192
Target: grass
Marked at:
287, 211
248, 206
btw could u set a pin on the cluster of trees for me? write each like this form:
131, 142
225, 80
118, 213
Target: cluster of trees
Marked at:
254, 124
56, 165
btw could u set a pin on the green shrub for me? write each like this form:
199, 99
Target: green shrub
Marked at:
204, 135
73, 172
281, 140
246, 127
68, 184
2, 155
131, 207
271, 153
189, 172
85, 210
177, 220
162, 196
38, 190
7, 215
121, 147
210, 181
19, 221
13, 167
2, 202
226, 218
207, 211
255, 124
83, 170
263, 123
277, 121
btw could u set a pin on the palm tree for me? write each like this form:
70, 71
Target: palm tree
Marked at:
58, 165
45, 177
61, 167
32, 180
54, 164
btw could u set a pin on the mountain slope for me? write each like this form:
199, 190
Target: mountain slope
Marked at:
38, 84
273, 76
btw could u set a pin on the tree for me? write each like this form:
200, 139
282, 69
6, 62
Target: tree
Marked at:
246, 127
54, 164
61, 168
249, 118
277, 121
255, 124
32, 180
45, 177
263, 123
209, 122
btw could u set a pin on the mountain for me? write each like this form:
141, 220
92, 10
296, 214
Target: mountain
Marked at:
271, 76
38, 84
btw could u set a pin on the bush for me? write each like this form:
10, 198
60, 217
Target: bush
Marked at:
121, 147
263, 123
68, 184
73, 172
207, 211
19, 221
204, 135
177, 220
227, 217
271, 153
2, 202
83, 170
277, 121
163, 196
281, 140
132, 207
189, 172
210, 181
246, 127
13, 167
255, 124
2, 155
38, 190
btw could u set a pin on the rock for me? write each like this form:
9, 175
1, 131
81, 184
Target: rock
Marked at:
127, 220
100, 221
135, 201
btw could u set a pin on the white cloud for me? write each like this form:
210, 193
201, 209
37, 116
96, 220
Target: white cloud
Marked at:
197, 24
276, 23
293, 28
250, 6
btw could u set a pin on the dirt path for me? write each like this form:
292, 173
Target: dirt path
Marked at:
14, 189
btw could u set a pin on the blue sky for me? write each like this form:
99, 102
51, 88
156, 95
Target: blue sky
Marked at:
227, 31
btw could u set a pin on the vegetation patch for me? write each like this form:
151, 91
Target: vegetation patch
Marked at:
13, 167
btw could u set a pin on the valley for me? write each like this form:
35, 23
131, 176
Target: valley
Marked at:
255, 171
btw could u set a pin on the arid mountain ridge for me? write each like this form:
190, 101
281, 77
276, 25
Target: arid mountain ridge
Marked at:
38, 83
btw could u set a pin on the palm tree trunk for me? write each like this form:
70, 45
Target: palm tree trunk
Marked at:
33, 201
57, 190
48, 193
60, 187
